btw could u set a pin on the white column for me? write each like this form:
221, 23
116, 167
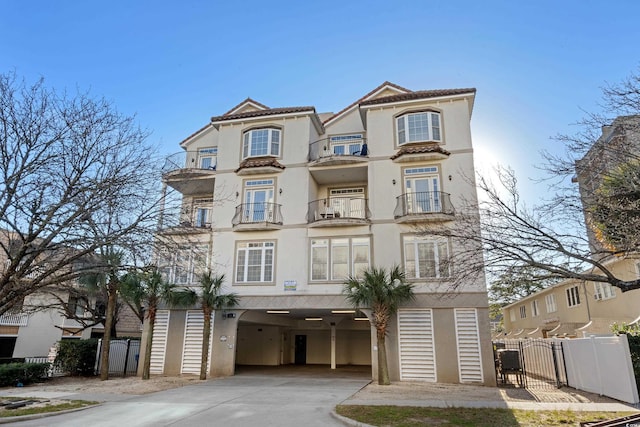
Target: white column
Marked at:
333, 346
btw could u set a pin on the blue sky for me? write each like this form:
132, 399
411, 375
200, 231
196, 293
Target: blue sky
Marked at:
175, 64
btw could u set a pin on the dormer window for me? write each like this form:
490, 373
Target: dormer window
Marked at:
261, 142
419, 127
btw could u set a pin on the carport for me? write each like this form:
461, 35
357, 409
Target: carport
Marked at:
321, 337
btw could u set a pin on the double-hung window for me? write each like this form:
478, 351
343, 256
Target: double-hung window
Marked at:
550, 301
254, 262
339, 258
418, 127
603, 291
261, 142
426, 257
573, 296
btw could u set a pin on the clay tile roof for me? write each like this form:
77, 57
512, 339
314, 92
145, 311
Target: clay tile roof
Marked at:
420, 94
248, 100
419, 149
259, 162
258, 113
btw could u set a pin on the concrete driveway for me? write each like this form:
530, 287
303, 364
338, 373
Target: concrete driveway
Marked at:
254, 398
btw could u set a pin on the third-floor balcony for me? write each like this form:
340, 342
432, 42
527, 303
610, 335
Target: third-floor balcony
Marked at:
257, 216
339, 160
338, 211
191, 172
423, 206
14, 319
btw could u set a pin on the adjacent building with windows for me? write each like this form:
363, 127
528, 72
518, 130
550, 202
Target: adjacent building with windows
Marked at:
572, 308
287, 203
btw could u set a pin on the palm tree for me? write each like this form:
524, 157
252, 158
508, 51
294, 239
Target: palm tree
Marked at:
144, 291
211, 299
382, 292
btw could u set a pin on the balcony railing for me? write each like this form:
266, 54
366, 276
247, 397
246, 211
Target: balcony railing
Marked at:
190, 215
255, 213
190, 160
423, 203
338, 208
324, 148
14, 319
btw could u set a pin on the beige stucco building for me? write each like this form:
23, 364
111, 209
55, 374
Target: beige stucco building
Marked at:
574, 308
287, 202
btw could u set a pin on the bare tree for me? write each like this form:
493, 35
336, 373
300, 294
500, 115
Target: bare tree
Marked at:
76, 178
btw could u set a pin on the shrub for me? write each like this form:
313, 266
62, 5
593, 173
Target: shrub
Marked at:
12, 374
77, 357
633, 336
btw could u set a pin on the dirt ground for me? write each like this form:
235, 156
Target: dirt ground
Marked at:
127, 385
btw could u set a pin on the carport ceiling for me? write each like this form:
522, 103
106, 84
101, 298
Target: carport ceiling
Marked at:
302, 314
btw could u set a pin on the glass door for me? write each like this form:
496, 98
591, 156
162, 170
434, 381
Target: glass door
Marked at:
258, 204
423, 195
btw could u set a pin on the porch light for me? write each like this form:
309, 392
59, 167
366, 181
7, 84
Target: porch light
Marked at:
278, 311
313, 318
343, 311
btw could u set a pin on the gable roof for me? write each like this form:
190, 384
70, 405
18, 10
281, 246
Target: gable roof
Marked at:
259, 113
421, 94
247, 103
371, 94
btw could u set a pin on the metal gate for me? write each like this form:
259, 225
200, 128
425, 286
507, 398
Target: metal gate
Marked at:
123, 357
530, 363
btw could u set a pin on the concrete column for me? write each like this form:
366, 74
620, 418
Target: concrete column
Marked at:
162, 203
333, 346
223, 351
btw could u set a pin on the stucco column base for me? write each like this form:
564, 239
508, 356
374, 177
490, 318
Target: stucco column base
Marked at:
223, 344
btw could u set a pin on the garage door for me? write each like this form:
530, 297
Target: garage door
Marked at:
415, 340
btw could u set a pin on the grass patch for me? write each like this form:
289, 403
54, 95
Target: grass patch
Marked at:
411, 416
42, 408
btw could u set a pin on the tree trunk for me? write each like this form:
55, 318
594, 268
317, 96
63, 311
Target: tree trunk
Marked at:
106, 339
205, 343
146, 369
383, 369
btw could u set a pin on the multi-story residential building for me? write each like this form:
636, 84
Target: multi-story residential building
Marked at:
287, 203
576, 309
32, 329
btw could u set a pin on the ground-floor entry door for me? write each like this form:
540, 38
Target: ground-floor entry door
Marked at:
301, 350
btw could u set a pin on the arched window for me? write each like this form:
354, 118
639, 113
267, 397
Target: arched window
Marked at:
419, 127
261, 142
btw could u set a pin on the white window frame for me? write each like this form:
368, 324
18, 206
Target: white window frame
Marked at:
523, 311
346, 144
550, 301
208, 158
202, 210
573, 296
325, 270
254, 138
411, 244
535, 311
266, 250
408, 132
185, 264
260, 211
347, 202
603, 291
512, 314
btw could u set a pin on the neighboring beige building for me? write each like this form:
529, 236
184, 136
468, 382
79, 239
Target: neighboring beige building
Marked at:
573, 308
29, 333
287, 203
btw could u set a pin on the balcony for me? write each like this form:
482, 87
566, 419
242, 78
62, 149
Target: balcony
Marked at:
427, 206
190, 172
338, 212
257, 216
14, 319
191, 218
334, 161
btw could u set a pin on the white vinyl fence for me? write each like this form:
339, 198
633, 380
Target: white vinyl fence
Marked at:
601, 365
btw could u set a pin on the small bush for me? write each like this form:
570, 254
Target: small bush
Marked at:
12, 374
77, 357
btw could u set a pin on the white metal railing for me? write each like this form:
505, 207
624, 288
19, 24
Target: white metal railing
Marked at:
14, 319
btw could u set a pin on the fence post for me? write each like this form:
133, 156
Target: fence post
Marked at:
96, 367
126, 358
522, 363
555, 364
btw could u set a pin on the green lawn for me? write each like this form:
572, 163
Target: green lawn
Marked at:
409, 416
31, 410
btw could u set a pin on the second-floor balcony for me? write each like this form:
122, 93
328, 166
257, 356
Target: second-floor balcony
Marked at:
191, 172
193, 217
257, 216
338, 150
338, 211
425, 206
